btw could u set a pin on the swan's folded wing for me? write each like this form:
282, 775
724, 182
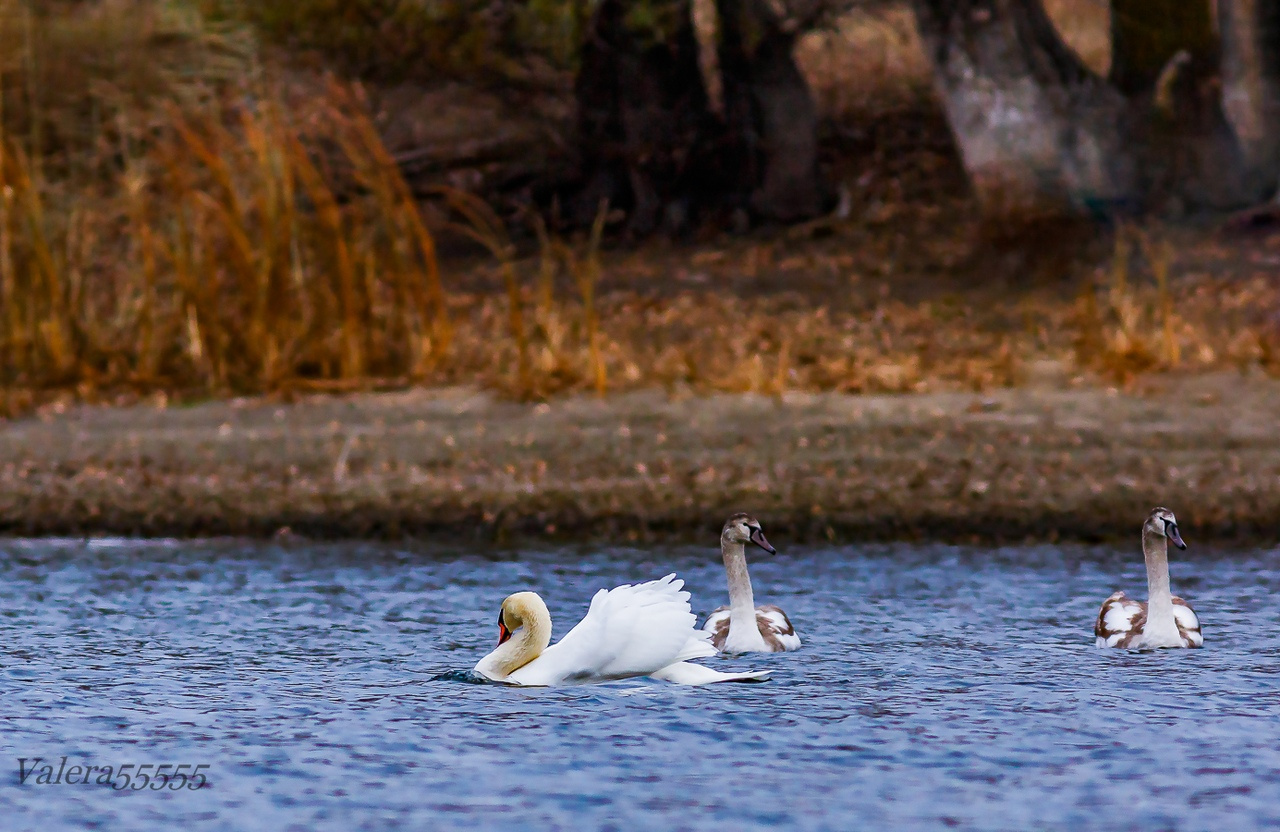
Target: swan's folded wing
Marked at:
776, 628
718, 619
717, 625
631, 630
1119, 618
1188, 623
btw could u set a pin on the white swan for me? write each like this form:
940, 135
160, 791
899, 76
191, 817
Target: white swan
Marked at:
1165, 620
742, 627
641, 630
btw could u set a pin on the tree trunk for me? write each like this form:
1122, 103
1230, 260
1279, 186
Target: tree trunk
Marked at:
770, 115
1146, 34
1039, 133
649, 142
643, 116
1251, 83
1165, 59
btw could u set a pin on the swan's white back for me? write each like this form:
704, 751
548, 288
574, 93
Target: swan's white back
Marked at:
631, 630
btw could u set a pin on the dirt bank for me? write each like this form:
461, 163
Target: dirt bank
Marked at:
1040, 462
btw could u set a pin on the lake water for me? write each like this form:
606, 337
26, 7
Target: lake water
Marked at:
937, 686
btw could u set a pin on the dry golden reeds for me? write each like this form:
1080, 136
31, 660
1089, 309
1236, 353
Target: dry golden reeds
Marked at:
486, 228
213, 241
232, 240
587, 274
224, 258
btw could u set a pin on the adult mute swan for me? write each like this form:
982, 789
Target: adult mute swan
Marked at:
742, 627
1165, 620
641, 630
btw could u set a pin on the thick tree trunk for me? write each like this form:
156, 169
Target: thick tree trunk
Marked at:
1038, 132
643, 116
771, 118
1251, 83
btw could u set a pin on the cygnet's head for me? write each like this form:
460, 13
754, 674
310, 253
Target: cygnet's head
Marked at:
1162, 522
744, 529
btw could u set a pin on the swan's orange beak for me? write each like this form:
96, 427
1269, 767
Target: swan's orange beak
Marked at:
503, 632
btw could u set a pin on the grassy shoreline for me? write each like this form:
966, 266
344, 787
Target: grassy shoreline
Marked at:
1042, 462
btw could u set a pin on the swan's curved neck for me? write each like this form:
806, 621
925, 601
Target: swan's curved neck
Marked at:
526, 643
742, 603
1155, 548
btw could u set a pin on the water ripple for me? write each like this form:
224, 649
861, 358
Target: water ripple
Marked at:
329, 687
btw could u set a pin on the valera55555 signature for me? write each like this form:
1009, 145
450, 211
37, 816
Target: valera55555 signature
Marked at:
136, 777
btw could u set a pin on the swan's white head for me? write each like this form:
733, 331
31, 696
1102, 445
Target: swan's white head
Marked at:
1162, 522
521, 609
743, 529
524, 631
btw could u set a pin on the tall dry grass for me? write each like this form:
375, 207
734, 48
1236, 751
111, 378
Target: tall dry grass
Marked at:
170, 220
227, 255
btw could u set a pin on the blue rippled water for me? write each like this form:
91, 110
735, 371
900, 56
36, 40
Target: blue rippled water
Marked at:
938, 686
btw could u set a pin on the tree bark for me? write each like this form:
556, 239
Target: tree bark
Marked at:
1039, 133
1185, 123
1251, 83
771, 118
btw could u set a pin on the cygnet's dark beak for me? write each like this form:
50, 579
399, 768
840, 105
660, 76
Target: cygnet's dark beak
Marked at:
757, 537
503, 632
1171, 531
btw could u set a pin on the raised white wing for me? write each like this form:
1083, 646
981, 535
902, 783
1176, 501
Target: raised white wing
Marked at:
631, 630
